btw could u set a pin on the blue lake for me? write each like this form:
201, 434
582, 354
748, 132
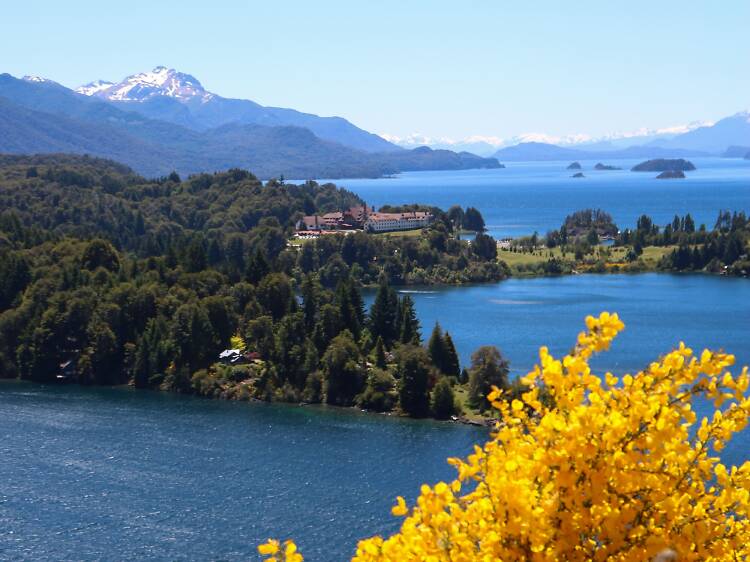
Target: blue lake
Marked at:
111, 474
118, 474
536, 196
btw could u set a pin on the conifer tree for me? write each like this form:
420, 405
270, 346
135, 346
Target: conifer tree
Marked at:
409, 324
436, 348
384, 314
452, 364
380, 354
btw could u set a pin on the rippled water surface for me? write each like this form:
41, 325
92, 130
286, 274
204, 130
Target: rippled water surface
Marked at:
115, 474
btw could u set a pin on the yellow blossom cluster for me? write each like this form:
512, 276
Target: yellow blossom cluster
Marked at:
602, 468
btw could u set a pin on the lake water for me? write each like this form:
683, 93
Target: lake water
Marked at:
110, 474
537, 196
118, 474
659, 310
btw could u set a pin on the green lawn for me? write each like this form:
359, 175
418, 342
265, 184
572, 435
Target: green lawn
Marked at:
651, 256
514, 259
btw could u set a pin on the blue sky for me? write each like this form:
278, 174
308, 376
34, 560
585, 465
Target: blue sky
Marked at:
450, 69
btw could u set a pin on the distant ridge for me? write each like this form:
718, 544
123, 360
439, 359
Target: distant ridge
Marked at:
40, 116
537, 151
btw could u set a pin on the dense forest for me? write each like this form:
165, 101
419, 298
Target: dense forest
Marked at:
109, 278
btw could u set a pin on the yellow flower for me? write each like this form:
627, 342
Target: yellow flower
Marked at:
400, 508
269, 548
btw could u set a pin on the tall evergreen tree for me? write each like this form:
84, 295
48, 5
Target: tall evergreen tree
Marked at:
310, 291
436, 348
384, 314
380, 354
452, 365
408, 323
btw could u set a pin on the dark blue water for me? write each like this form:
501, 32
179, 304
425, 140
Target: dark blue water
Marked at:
536, 196
116, 474
659, 310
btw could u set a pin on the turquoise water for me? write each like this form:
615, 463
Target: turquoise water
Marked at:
111, 474
536, 196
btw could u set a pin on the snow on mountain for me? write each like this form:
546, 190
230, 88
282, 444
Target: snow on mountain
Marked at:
485, 145
161, 81
93, 88
30, 78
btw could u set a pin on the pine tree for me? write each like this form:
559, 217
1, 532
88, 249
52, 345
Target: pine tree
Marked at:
380, 361
452, 363
409, 331
349, 303
436, 348
384, 314
310, 292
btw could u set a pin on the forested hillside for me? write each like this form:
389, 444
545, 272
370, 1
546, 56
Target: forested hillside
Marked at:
108, 278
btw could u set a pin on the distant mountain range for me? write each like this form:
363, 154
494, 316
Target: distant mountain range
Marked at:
726, 137
165, 120
694, 139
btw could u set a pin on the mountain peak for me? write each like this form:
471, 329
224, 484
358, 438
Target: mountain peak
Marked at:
161, 81
32, 78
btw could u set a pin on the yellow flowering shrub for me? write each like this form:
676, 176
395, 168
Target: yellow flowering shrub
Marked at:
613, 469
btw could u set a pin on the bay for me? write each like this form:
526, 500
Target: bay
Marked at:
537, 196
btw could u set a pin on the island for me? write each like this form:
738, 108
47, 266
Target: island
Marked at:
575, 166
578, 175
601, 166
671, 175
664, 165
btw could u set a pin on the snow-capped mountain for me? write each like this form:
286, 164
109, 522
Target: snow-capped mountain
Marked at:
168, 95
37, 79
93, 88
161, 81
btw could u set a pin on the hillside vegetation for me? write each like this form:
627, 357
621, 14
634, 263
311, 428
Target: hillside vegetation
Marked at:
109, 278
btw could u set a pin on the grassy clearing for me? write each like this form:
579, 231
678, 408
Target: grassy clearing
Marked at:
514, 259
614, 256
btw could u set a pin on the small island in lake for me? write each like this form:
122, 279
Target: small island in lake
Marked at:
575, 166
664, 165
601, 166
671, 175
578, 175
